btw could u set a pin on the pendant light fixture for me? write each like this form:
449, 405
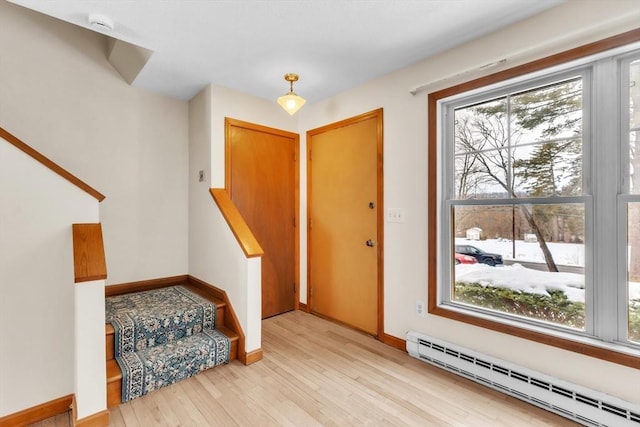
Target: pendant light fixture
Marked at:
291, 102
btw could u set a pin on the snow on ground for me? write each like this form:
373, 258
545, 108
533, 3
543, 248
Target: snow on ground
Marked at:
563, 253
520, 278
523, 279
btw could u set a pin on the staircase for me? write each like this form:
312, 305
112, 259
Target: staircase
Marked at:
173, 349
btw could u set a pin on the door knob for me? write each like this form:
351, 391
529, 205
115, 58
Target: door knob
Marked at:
370, 243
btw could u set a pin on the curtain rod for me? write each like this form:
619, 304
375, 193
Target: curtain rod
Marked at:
424, 86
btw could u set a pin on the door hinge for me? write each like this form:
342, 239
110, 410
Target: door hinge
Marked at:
295, 156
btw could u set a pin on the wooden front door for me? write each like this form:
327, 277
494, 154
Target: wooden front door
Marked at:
345, 221
261, 178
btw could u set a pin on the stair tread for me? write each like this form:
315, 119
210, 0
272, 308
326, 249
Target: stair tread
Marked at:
191, 338
158, 303
233, 336
151, 318
113, 369
206, 295
177, 344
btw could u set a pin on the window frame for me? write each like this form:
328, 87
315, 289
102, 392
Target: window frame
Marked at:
606, 347
506, 91
625, 197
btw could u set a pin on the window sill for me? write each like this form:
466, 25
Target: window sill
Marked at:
611, 352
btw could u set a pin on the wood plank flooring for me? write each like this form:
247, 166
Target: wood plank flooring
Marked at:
62, 420
318, 373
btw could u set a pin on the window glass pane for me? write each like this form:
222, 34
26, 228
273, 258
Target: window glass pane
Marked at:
633, 270
481, 175
547, 113
523, 260
634, 127
525, 145
481, 160
551, 168
481, 127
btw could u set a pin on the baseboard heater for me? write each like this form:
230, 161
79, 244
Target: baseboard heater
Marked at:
580, 404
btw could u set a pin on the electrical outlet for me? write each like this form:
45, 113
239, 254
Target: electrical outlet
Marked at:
420, 308
395, 215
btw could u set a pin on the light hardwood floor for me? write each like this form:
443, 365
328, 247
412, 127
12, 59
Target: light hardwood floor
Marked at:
62, 420
318, 373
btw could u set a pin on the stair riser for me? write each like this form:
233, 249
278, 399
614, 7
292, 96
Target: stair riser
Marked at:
233, 353
110, 346
114, 393
219, 315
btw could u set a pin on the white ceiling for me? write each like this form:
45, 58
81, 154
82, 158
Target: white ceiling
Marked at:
249, 45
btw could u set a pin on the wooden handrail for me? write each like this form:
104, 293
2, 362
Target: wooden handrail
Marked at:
88, 253
239, 227
13, 140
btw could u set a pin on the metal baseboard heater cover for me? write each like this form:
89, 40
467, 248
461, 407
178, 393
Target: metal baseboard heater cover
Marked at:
580, 404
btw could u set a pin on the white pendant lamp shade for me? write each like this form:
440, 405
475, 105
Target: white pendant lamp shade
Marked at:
291, 102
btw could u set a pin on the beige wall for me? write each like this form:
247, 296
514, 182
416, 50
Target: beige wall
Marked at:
405, 180
59, 94
38, 337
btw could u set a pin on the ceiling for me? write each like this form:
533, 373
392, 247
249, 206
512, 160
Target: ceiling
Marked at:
249, 45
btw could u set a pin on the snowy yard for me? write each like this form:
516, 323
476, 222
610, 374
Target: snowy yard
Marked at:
563, 253
522, 279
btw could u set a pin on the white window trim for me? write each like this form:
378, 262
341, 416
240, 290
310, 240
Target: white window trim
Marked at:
624, 197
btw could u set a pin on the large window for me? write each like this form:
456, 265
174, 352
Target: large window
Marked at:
537, 183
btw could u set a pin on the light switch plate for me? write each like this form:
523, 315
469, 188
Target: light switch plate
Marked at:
395, 215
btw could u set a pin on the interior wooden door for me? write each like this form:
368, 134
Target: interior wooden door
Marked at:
345, 222
262, 182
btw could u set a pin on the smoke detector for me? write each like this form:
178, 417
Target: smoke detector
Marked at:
100, 23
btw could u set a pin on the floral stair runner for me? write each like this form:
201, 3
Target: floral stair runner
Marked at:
163, 336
